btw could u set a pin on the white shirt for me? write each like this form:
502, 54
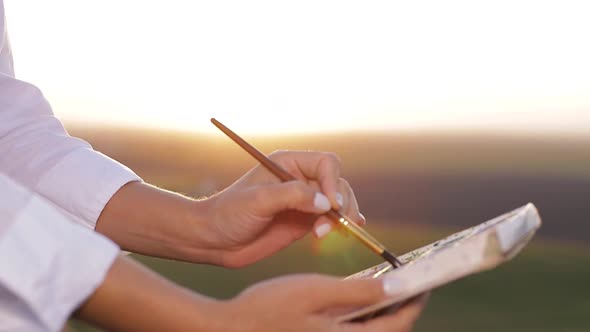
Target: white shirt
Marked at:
48, 265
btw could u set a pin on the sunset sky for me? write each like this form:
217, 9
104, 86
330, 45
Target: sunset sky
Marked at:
296, 66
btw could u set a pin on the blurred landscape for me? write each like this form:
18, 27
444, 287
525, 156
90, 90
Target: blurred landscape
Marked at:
413, 188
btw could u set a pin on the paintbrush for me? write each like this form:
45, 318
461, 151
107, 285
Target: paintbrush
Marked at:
334, 215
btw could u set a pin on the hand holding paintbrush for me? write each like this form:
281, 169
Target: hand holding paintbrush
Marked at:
334, 215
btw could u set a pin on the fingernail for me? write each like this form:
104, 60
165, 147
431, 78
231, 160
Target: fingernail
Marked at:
323, 230
321, 202
339, 199
391, 286
363, 218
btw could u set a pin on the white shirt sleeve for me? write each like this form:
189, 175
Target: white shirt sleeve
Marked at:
48, 264
37, 152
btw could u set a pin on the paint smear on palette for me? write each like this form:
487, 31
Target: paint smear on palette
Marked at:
420, 253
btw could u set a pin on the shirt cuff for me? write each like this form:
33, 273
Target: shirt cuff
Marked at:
83, 182
50, 264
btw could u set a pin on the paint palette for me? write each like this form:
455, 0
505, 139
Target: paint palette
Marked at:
467, 252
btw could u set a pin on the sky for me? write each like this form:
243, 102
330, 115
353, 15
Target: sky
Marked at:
300, 66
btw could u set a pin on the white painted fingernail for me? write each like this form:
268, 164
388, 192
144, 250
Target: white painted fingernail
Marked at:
392, 286
321, 202
363, 218
339, 199
323, 230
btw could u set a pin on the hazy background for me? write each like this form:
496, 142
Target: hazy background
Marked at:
413, 188
445, 114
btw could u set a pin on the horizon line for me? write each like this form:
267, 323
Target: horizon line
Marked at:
406, 131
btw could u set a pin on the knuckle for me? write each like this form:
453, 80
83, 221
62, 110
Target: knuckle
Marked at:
278, 155
299, 185
368, 291
332, 158
260, 195
373, 289
298, 192
300, 188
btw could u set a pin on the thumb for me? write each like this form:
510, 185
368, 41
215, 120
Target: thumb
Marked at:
354, 292
293, 195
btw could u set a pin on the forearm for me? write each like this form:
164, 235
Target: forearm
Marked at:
37, 152
147, 220
133, 298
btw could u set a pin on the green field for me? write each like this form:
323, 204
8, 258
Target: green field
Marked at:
545, 288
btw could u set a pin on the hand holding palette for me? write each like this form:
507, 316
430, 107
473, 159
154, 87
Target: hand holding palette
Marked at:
467, 252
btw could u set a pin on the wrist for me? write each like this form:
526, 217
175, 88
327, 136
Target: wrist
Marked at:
216, 316
197, 241
129, 291
188, 233
235, 317
144, 219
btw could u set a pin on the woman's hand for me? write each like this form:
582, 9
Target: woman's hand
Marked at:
258, 215
133, 298
251, 219
307, 303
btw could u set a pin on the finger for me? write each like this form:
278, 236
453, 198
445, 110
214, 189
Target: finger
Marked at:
402, 320
330, 293
323, 225
321, 166
293, 195
350, 207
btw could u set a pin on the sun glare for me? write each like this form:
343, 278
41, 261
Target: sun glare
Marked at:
275, 66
